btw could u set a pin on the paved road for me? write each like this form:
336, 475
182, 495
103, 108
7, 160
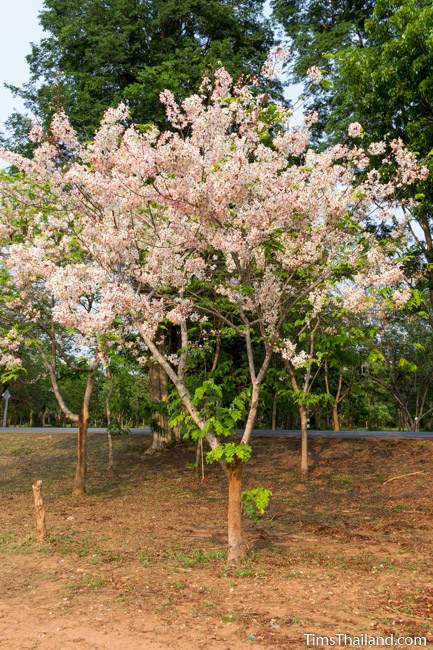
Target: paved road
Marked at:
280, 433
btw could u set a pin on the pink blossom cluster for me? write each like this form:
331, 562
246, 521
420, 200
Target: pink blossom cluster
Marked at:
10, 344
314, 73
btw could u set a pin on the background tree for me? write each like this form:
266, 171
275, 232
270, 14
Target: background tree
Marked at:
97, 53
399, 365
377, 62
317, 31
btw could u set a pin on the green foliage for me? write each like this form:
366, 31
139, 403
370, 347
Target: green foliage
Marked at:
255, 502
406, 365
208, 398
228, 452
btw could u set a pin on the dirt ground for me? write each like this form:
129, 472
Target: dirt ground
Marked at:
139, 563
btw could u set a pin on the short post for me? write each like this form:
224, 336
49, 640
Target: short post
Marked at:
41, 529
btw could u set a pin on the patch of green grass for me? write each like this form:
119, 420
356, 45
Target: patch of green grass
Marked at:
342, 481
22, 450
209, 604
401, 507
70, 545
6, 540
86, 583
96, 583
383, 565
244, 572
9, 543
196, 557
294, 620
179, 584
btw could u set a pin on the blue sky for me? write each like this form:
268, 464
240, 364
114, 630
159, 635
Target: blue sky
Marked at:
19, 26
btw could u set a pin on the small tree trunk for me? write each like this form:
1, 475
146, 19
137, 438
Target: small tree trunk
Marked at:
44, 417
274, 413
110, 464
83, 424
199, 459
161, 433
41, 530
335, 418
81, 469
236, 549
304, 441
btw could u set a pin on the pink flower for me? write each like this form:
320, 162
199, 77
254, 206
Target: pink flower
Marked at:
314, 74
311, 118
354, 130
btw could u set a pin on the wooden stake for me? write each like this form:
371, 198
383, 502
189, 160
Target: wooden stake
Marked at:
41, 530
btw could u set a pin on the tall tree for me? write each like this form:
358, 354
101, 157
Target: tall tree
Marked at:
377, 62
99, 52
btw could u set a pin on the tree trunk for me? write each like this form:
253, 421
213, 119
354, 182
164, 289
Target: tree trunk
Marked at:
110, 464
335, 418
199, 459
274, 413
304, 441
79, 488
236, 549
81, 469
161, 433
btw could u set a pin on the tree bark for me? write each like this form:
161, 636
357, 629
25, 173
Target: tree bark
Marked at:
41, 530
79, 487
161, 433
110, 463
335, 417
236, 549
304, 441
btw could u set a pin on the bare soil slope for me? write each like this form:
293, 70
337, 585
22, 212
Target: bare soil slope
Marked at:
140, 562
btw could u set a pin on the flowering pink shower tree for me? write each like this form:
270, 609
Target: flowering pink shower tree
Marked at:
229, 216
29, 290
